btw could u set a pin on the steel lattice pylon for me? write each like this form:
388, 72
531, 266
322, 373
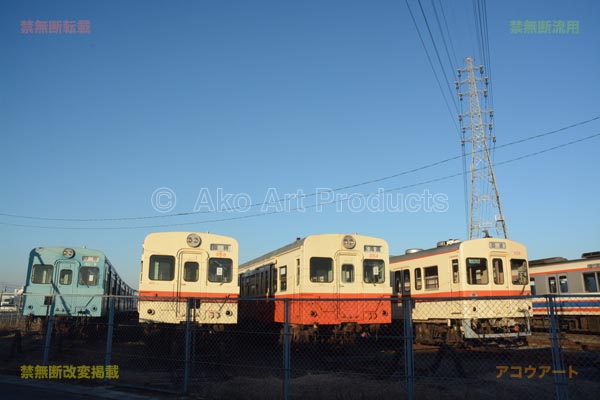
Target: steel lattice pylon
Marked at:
485, 209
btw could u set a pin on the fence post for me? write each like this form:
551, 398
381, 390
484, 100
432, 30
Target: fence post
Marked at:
48, 340
186, 371
409, 361
557, 362
109, 334
286, 351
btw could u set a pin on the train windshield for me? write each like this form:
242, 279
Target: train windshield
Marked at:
42, 273
477, 271
374, 271
321, 269
220, 270
88, 276
518, 271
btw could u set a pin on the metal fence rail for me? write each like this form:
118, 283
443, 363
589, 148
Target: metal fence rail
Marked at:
445, 348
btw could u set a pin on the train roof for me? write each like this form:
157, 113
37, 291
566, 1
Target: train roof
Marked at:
288, 247
77, 250
423, 253
542, 262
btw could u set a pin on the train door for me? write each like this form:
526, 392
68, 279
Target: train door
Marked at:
455, 285
402, 288
349, 281
190, 280
500, 275
63, 285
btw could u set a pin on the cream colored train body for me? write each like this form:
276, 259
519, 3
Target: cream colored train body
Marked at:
333, 282
177, 266
467, 278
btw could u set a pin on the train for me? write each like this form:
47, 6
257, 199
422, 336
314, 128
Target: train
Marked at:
178, 268
335, 286
563, 278
467, 277
74, 282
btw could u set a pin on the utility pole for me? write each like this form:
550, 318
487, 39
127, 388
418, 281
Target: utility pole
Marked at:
485, 209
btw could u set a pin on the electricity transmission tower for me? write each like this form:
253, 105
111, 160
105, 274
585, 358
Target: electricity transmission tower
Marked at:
485, 209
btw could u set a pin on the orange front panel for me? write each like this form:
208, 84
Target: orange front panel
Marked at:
325, 310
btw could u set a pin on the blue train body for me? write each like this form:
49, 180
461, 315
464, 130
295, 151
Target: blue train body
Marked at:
77, 279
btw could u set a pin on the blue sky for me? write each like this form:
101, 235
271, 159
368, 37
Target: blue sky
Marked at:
256, 98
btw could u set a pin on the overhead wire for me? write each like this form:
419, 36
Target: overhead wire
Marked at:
350, 186
438, 179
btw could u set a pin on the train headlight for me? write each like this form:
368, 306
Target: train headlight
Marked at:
228, 313
349, 242
150, 311
193, 240
69, 253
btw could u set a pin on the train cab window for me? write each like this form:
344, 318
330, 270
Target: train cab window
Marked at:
297, 271
418, 279
347, 273
589, 282
431, 277
65, 277
321, 269
191, 271
552, 285
374, 271
455, 271
42, 273
532, 284
88, 276
563, 283
220, 269
518, 271
498, 271
477, 271
283, 278
162, 268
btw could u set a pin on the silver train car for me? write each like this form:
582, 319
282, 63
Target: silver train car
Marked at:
563, 278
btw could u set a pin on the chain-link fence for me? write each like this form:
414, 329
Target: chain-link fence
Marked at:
445, 348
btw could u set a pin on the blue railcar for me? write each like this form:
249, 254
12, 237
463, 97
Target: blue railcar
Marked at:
78, 280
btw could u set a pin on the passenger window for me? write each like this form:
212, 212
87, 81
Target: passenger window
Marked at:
374, 271
552, 284
347, 273
589, 282
88, 276
321, 269
518, 272
477, 271
455, 275
564, 285
532, 284
162, 268
498, 271
431, 277
220, 270
283, 278
66, 276
191, 271
42, 273
418, 280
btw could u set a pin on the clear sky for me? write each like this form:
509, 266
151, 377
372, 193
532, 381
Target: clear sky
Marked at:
255, 100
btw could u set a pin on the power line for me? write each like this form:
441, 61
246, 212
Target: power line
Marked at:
351, 186
442, 178
432, 68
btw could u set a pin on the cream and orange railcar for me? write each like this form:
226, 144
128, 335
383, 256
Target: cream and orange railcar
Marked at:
334, 283
468, 278
177, 266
